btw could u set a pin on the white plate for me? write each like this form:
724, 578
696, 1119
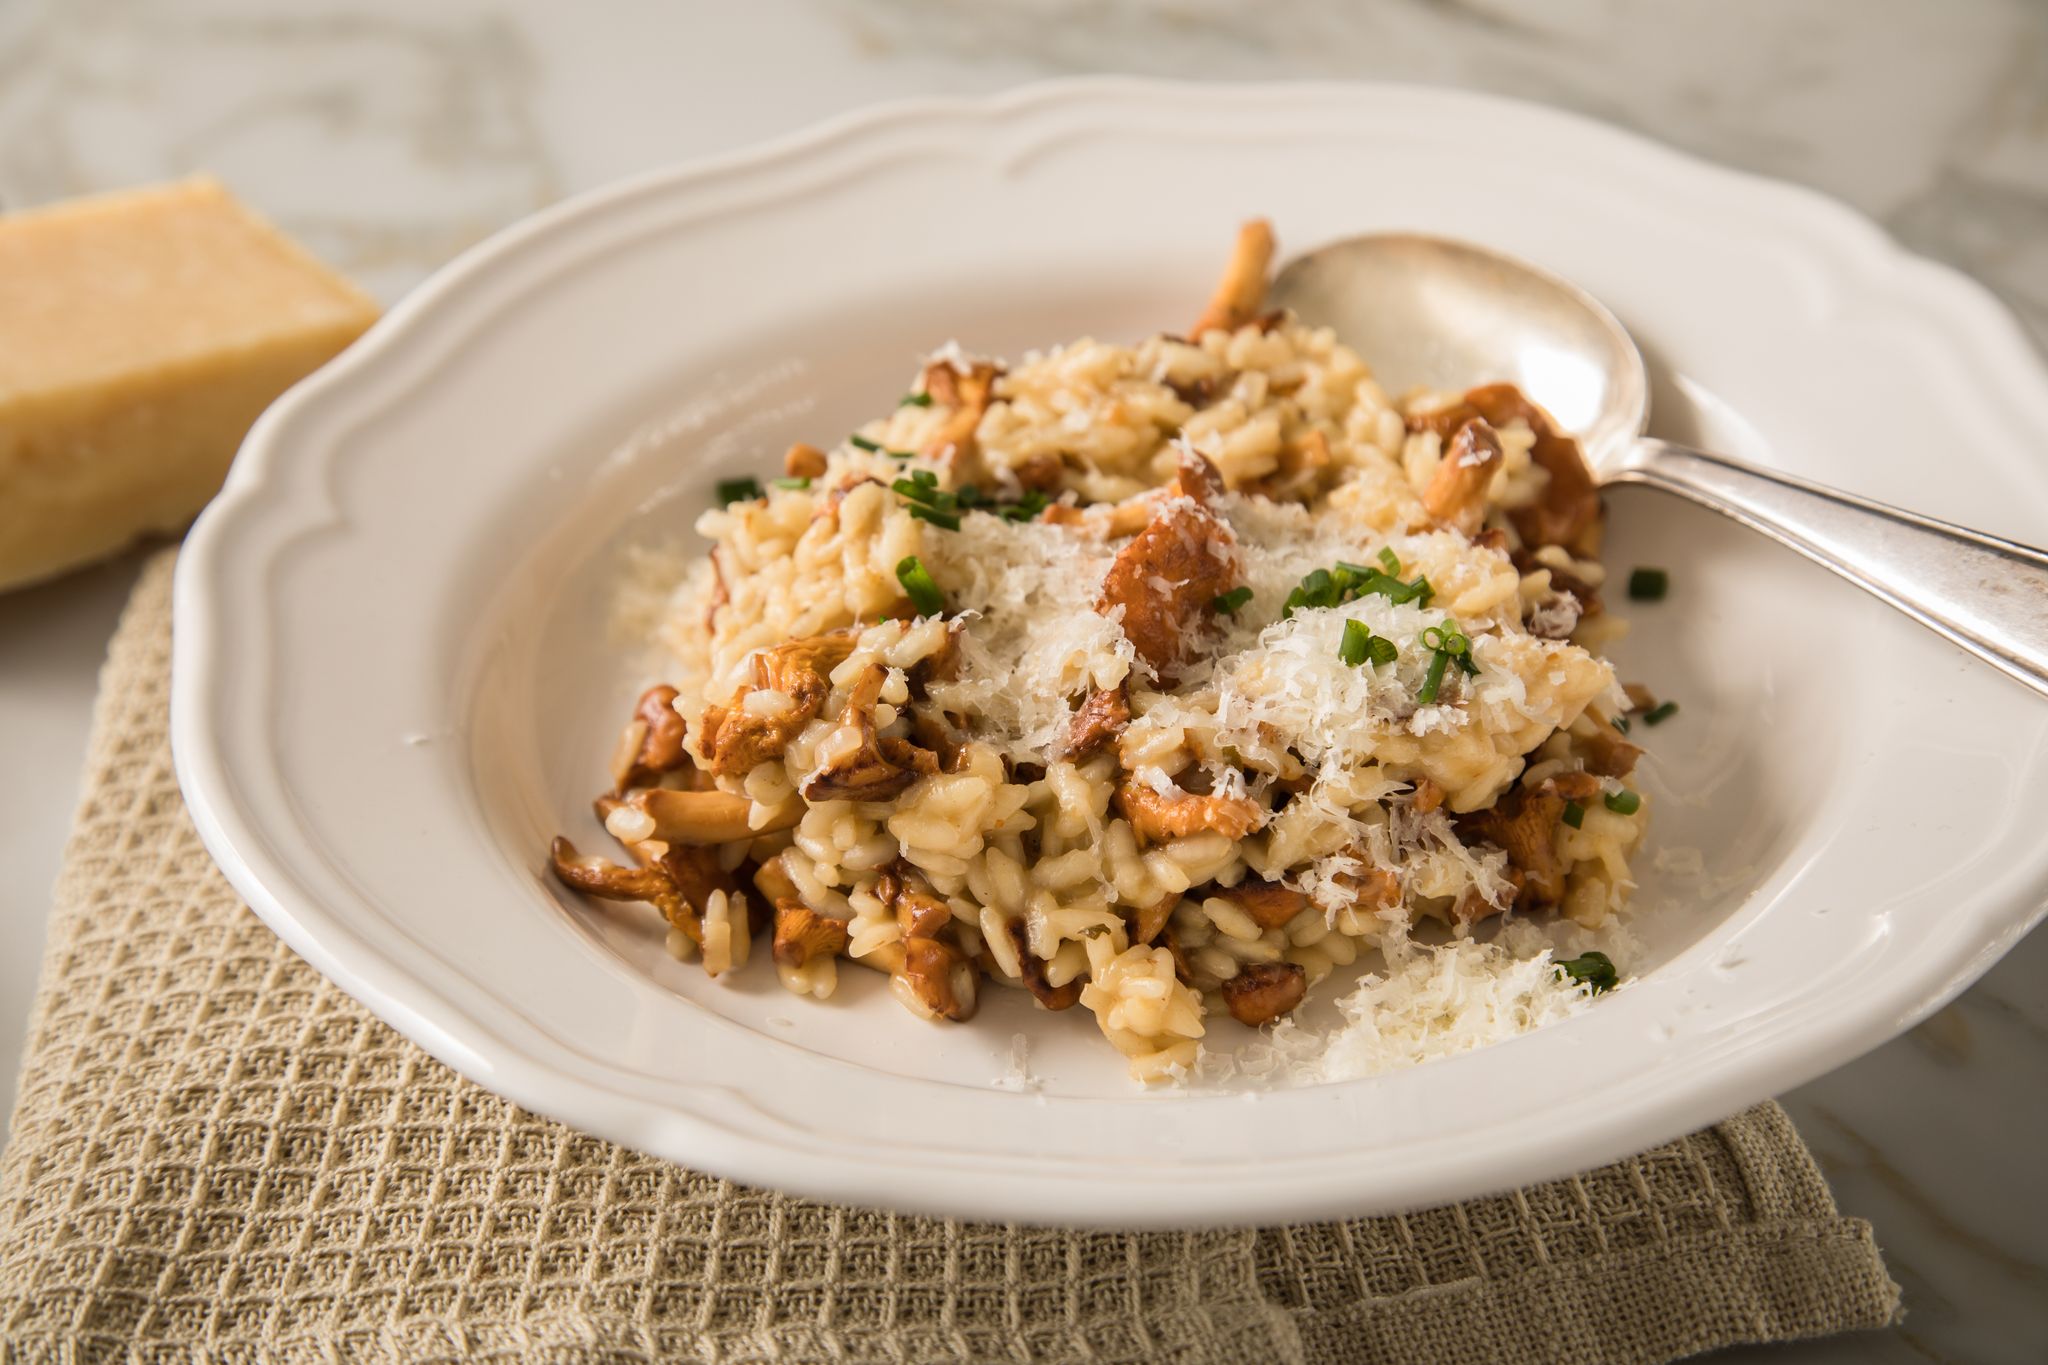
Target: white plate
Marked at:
393, 680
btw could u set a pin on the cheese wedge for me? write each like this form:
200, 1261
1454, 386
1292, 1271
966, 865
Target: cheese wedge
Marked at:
140, 335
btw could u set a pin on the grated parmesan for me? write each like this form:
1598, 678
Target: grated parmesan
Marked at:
1429, 1003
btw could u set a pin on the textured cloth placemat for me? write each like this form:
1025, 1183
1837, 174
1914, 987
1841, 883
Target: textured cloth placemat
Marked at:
217, 1155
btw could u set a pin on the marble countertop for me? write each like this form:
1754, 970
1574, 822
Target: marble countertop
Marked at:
389, 135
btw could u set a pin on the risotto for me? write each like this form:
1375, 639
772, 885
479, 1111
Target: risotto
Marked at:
1160, 680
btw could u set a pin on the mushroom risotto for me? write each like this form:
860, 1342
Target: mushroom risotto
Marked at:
1158, 679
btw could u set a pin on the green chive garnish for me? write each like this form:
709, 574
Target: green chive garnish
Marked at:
945, 521
863, 443
1624, 802
918, 586
731, 491
1381, 650
915, 400
1574, 814
1356, 646
1434, 679
1620, 723
914, 489
1648, 585
1390, 561
1660, 714
1228, 602
1026, 507
1432, 637
901, 454
1595, 969
970, 496
793, 483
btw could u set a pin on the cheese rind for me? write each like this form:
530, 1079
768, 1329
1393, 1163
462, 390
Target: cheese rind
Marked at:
141, 334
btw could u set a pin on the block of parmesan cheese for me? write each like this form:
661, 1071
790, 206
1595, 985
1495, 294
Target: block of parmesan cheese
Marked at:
140, 335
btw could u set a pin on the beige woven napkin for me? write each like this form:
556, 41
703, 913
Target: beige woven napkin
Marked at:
217, 1155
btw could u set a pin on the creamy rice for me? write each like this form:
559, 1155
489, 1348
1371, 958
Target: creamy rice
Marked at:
1007, 689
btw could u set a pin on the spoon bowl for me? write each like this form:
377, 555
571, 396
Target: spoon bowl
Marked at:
1440, 314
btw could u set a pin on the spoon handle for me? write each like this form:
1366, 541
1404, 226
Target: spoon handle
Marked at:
1986, 594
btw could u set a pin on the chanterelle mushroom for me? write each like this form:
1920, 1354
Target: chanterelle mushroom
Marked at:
707, 817
1165, 582
1456, 495
1567, 511
736, 737
1523, 824
1263, 991
1242, 289
1031, 970
1160, 817
859, 766
1098, 722
652, 743
966, 396
607, 880
1270, 905
935, 980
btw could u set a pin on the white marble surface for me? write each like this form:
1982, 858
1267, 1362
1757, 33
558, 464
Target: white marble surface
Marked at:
388, 135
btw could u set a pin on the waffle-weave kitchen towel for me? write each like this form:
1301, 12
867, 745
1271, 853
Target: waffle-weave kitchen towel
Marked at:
217, 1155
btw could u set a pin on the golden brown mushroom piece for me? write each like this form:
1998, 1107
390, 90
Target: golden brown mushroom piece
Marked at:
1456, 495
1269, 904
1166, 580
1567, 512
966, 395
873, 769
705, 817
1031, 970
803, 461
1263, 991
801, 933
920, 911
1146, 922
1158, 817
607, 880
1242, 290
734, 738
1097, 722
1606, 752
935, 980
652, 742
1523, 824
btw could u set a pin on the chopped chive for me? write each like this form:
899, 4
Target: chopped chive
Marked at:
863, 443
901, 454
1464, 658
794, 482
925, 477
1595, 969
944, 520
1624, 802
1574, 814
1620, 723
1381, 650
731, 491
1390, 561
1356, 646
1660, 714
1228, 602
915, 400
1432, 637
970, 496
912, 489
1434, 679
1648, 585
918, 586
1026, 507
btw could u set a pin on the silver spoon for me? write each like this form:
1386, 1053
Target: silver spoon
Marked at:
1491, 317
